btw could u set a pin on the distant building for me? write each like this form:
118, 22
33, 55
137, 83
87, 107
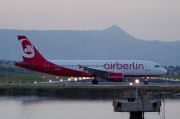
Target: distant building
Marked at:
11, 63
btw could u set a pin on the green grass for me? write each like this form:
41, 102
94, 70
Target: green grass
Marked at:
29, 78
39, 77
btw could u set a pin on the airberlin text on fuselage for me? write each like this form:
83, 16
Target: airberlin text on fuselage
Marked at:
133, 65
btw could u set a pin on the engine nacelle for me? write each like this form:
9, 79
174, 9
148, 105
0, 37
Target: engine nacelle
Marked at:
115, 77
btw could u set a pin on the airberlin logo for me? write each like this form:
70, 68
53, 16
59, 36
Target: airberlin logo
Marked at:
117, 65
28, 49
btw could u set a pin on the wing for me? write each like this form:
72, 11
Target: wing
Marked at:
95, 71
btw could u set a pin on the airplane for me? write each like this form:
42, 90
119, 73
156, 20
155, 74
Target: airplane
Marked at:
111, 70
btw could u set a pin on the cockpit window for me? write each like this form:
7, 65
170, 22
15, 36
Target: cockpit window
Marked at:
157, 66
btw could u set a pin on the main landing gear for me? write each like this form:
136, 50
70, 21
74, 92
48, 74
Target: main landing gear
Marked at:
94, 81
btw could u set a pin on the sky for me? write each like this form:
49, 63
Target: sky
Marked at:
143, 19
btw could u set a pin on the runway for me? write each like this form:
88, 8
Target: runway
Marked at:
89, 83
101, 83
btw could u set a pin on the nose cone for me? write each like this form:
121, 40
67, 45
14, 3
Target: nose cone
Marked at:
164, 71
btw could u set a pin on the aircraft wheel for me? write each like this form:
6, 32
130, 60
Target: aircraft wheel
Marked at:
146, 82
94, 81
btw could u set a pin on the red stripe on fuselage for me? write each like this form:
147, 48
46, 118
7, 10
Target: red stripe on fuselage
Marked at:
52, 69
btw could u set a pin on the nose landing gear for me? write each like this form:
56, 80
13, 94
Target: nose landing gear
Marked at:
146, 81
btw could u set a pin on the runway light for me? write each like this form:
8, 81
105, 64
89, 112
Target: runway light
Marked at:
61, 80
75, 79
137, 81
35, 82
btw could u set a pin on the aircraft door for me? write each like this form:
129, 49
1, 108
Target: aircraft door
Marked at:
46, 65
147, 66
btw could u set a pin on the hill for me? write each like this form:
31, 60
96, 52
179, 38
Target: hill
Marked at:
110, 43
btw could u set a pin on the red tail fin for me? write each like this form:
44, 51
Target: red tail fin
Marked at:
30, 53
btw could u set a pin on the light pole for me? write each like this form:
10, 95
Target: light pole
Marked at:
137, 81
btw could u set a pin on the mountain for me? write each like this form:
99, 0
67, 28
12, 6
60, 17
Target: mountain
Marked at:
110, 43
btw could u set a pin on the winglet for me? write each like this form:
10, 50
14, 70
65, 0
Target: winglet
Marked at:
80, 66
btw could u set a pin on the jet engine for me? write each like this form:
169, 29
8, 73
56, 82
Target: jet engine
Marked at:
114, 77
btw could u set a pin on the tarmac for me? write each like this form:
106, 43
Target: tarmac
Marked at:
87, 82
